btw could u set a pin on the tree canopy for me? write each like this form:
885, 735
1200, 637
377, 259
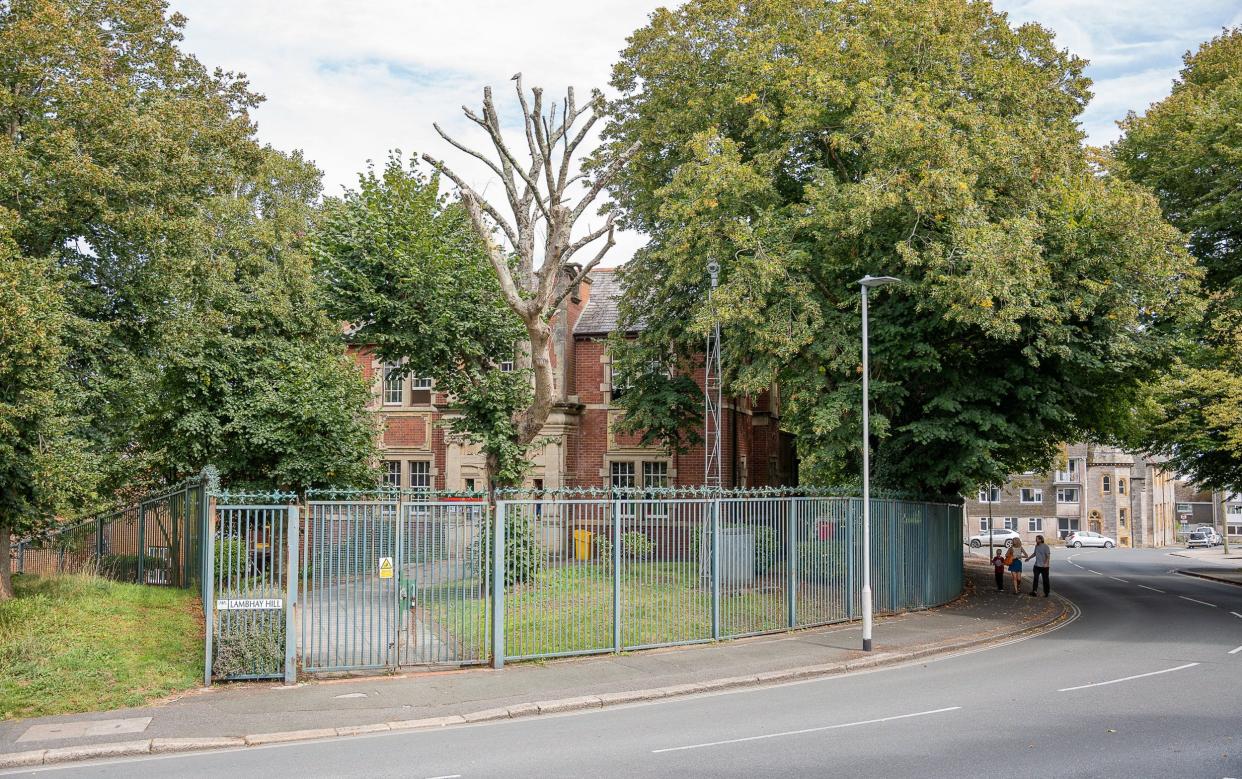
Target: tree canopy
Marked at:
179, 239
804, 144
405, 266
1188, 149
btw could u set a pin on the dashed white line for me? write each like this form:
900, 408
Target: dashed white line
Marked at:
1153, 589
1192, 600
805, 730
1120, 580
1097, 573
1128, 678
1235, 651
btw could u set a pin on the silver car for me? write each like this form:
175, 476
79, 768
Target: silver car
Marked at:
1199, 538
999, 538
1081, 538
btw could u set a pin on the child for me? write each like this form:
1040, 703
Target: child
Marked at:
1014, 559
998, 564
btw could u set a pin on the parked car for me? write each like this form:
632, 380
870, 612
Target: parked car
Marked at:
1199, 538
1211, 531
999, 538
1081, 538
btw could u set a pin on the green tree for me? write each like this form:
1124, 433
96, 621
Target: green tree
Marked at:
803, 144
136, 169
1188, 149
407, 267
44, 468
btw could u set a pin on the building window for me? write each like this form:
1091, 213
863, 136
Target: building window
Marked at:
420, 475
469, 485
623, 476
1011, 523
1235, 530
1067, 494
1035, 524
506, 366
391, 473
989, 495
1066, 525
1121, 513
1032, 495
420, 392
1183, 508
1233, 509
1106, 484
983, 524
1121, 486
618, 381
394, 384
1071, 472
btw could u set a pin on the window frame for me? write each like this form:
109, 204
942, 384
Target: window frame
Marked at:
985, 491
430, 478
387, 472
392, 375
1063, 491
1034, 524
1106, 485
1037, 495
1011, 523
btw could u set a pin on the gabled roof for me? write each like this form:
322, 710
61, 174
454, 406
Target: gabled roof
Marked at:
600, 315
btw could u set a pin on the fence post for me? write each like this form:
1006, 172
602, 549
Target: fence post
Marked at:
142, 540
851, 516
715, 504
398, 556
291, 597
21, 556
498, 587
791, 561
209, 587
99, 541
616, 575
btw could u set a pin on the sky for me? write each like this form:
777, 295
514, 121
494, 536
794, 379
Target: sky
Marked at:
348, 82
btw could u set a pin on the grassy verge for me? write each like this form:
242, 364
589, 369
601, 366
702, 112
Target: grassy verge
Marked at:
82, 643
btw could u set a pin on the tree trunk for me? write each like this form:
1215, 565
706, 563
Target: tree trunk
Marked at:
6, 577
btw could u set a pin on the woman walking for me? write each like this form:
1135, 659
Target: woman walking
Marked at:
1014, 557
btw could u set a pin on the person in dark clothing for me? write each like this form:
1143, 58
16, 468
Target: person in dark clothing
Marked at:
1043, 560
998, 564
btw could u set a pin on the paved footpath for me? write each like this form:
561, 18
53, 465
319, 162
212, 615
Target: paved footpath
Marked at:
240, 714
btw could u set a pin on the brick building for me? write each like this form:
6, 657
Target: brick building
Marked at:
582, 448
1129, 497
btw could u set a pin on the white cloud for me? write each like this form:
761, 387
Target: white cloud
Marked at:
347, 82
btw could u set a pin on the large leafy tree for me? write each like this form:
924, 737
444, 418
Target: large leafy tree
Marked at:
804, 144
408, 269
1188, 149
135, 169
44, 467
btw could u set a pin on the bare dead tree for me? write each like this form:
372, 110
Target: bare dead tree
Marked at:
536, 189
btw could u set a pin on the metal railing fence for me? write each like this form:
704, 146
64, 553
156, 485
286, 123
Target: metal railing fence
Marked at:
587, 576
156, 540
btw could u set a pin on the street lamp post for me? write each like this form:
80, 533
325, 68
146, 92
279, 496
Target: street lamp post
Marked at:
867, 282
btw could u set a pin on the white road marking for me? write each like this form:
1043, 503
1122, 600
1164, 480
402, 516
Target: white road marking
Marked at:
1235, 651
1120, 580
1236, 614
1153, 589
1097, 573
1192, 600
804, 730
446, 776
1128, 678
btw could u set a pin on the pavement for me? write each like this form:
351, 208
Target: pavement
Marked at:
253, 714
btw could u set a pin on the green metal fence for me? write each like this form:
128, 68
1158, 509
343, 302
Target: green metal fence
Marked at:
609, 574
155, 540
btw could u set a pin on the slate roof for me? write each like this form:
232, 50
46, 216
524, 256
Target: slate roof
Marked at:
600, 315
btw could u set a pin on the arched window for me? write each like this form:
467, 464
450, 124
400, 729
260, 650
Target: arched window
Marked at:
1121, 486
1106, 484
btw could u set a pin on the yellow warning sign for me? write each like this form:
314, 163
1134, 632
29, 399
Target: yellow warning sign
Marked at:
385, 567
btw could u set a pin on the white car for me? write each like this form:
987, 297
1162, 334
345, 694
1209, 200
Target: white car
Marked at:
1212, 534
1201, 538
999, 538
1080, 538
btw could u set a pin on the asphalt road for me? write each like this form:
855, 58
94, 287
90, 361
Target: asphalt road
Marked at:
1145, 682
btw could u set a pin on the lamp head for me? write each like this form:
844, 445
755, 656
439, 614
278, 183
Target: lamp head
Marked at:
870, 281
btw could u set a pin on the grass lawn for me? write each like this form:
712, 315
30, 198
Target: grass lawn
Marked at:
82, 643
569, 607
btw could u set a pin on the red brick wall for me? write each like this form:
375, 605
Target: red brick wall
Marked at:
406, 431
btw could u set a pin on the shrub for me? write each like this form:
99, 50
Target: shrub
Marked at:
523, 555
766, 549
230, 560
636, 545
603, 548
822, 561
249, 643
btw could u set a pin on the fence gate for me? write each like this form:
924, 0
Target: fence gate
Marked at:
391, 583
252, 587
